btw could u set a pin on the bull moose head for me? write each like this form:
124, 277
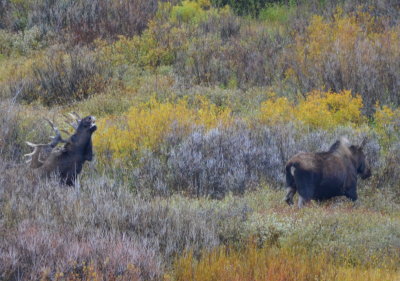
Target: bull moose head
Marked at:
67, 161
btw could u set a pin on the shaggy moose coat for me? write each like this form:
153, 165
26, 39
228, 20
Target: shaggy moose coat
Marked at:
323, 175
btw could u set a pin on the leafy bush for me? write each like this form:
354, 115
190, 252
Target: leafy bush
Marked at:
226, 59
84, 20
388, 175
221, 161
157, 46
6, 43
276, 13
385, 8
21, 43
188, 11
65, 77
18, 125
276, 110
351, 52
145, 126
223, 22
387, 125
10, 130
318, 110
244, 7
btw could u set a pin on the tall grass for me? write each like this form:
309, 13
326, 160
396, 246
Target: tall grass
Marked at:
102, 228
272, 264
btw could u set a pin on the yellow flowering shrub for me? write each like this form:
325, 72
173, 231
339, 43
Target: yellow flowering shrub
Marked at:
145, 126
325, 110
275, 110
328, 110
387, 124
323, 36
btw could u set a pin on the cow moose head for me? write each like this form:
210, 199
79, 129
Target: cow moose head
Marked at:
67, 161
362, 166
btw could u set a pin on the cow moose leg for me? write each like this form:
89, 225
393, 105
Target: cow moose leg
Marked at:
69, 179
289, 195
352, 194
305, 188
302, 202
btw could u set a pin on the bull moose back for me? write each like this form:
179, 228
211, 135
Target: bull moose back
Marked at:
323, 175
67, 161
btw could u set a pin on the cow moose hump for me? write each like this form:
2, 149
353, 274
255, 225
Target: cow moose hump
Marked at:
323, 175
66, 161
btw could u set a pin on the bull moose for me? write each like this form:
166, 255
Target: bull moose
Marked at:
67, 161
323, 175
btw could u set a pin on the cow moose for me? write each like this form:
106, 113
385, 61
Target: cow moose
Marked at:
67, 161
323, 175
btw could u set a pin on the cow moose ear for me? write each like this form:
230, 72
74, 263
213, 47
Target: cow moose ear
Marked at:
363, 143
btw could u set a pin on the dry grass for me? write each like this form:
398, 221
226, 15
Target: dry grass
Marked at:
102, 229
272, 264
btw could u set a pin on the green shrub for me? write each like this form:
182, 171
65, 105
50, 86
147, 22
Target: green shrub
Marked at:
65, 77
18, 125
276, 13
188, 11
244, 7
21, 43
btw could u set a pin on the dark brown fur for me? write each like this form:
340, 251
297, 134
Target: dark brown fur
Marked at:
66, 161
323, 175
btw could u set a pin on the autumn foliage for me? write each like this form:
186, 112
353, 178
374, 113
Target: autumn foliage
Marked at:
316, 110
199, 104
266, 263
147, 125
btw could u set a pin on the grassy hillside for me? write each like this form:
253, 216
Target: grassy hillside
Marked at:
199, 105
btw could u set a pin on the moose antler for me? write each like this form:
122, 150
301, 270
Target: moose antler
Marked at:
75, 118
57, 138
35, 157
